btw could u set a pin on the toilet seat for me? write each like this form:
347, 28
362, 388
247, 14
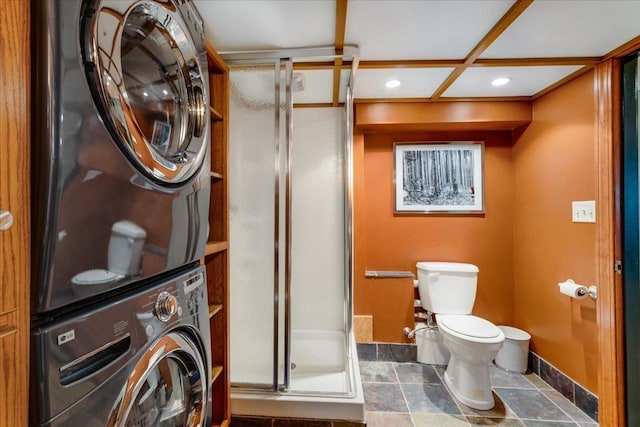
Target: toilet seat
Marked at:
470, 328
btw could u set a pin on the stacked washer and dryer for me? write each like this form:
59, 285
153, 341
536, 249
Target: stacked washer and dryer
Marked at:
120, 332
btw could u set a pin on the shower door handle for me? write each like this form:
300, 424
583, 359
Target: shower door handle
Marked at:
6, 220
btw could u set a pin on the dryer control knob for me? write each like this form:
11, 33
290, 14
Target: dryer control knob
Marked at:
166, 306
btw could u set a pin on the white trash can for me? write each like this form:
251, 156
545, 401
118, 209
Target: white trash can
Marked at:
431, 347
515, 351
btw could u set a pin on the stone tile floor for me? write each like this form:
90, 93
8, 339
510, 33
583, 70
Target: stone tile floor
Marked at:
412, 394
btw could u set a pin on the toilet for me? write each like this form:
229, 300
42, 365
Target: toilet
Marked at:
448, 290
124, 258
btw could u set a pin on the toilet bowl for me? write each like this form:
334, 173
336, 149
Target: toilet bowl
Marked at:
473, 343
124, 259
448, 290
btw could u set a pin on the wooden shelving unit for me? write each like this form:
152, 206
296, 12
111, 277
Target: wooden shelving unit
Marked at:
216, 257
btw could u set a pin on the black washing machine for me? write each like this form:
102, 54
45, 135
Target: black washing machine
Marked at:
121, 134
142, 360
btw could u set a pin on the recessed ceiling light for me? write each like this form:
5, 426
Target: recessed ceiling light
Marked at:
392, 83
501, 81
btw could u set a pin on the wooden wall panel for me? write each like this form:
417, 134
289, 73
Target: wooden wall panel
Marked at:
397, 242
554, 164
14, 196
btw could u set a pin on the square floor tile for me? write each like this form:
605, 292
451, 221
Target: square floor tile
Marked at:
536, 423
531, 404
537, 381
384, 397
388, 419
493, 421
501, 378
439, 420
430, 398
378, 372
498, 411
569, 408
417, 373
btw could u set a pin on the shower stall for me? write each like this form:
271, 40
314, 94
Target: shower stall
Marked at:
290, 195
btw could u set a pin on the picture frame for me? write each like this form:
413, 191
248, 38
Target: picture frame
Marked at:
439, 177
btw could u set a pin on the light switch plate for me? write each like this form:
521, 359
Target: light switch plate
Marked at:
584, 211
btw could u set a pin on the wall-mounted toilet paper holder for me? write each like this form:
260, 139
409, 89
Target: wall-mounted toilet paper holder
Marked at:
591, 291
575, 290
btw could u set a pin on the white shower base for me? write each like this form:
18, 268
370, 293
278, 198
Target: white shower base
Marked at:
319, 386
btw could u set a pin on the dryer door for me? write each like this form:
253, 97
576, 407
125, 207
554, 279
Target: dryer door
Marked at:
168, 387
146, 64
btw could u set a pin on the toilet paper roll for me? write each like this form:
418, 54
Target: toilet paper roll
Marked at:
573, 290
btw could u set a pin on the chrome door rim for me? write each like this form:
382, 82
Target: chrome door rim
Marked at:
105, 24
174, 345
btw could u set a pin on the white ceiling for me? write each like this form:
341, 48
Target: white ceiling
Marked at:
415, 30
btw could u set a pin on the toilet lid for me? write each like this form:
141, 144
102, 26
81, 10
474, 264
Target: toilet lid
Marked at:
94, 277
470, 326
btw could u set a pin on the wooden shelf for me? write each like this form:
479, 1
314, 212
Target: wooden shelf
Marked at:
215, 115
216, 258
215, 247
215, 373
214, 309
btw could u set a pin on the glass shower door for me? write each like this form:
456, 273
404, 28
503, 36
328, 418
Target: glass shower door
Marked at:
253, 184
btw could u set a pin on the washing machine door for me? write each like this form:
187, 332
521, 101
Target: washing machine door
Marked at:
168, 387
146, 65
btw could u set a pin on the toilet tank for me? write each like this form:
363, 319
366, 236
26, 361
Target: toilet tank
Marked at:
447, 287
125, 248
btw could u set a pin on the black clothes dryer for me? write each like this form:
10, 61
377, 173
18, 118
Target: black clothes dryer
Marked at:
121, 135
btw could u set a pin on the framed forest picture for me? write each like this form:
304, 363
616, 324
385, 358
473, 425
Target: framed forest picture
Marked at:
442, 177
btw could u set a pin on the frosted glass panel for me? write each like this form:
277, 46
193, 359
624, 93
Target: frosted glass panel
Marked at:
317, 220
251, 210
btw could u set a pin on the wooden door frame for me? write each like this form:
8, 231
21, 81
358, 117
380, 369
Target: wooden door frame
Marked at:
610, 304
608, 248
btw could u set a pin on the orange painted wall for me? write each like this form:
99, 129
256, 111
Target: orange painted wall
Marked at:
385, 241
554, 164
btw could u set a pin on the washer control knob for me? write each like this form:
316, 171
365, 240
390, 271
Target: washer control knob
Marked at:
166, 306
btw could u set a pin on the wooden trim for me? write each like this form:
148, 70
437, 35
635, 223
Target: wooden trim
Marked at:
215, 372
536, 62
216, 63
444, 99
507, 19
563, 81
341, 23
318, 105
216, 175
609, 303
411, 63
624, 50
330, 65
214, 309
216, 116
453, 63
215, 247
